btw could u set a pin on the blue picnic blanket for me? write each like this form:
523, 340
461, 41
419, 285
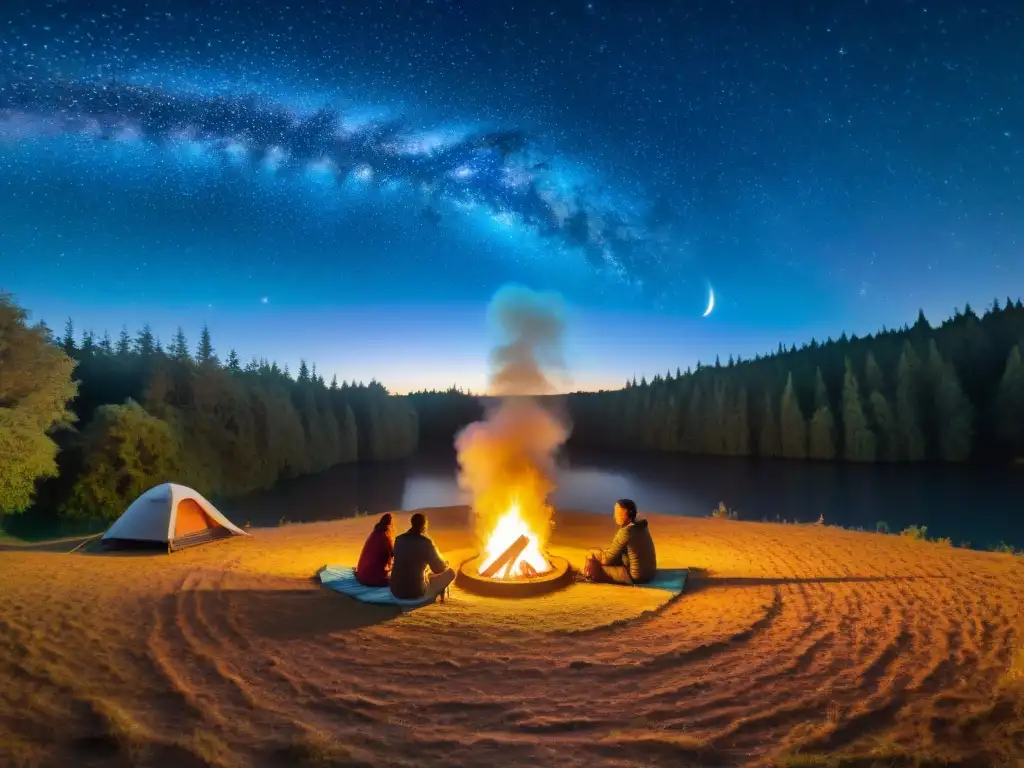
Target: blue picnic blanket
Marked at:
669, 579
342, 578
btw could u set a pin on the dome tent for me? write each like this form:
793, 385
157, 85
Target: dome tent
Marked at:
171, 516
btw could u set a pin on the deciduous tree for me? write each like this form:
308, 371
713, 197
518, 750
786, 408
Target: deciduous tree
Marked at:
36, 389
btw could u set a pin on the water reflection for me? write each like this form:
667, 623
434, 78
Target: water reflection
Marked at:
979, 505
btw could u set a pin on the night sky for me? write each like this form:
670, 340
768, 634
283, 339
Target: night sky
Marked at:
350, 182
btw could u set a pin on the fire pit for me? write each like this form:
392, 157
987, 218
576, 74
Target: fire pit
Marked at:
520, 570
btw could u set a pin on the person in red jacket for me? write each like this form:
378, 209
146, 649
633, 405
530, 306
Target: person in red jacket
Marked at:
374, 568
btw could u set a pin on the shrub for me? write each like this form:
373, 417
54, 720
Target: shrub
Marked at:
881, 527
721, 512
1003, 548
916, 532
946, 542
126, 452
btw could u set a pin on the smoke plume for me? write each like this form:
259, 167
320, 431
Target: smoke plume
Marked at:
509, 458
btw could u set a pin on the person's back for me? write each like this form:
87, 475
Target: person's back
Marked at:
414, 554
374, 567
638, 554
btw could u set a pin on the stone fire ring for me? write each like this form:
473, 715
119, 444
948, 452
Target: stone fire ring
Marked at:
470, 580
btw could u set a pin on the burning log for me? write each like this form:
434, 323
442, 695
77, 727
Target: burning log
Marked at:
507, 558
527, 571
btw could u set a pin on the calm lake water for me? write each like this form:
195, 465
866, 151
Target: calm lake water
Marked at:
983, 506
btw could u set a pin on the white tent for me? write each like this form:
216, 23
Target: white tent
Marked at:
171, 515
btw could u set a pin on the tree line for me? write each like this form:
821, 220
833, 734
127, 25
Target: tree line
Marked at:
88, 423
951, 393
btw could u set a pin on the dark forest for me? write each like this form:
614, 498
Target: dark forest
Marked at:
91, 422
143, 414
951, 393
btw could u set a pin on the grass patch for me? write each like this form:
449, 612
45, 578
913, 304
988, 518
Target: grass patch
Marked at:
1005, 549
722, 512
915, 532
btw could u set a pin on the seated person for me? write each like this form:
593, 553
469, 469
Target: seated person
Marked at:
374, 568
414, 554
631, 558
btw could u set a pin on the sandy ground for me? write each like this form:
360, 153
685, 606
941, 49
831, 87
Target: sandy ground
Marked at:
789, 643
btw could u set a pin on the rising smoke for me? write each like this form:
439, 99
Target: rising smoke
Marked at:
509, 457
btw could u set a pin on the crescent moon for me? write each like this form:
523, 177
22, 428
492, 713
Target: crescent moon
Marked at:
711, 301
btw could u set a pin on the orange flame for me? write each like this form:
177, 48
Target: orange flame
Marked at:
507, 463
510, 527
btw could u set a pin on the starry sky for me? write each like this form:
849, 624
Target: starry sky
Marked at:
350, 182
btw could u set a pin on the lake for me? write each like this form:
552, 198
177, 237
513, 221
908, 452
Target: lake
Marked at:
980, 505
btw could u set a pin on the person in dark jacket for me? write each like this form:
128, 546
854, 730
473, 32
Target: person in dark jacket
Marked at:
374, 568
415, 553
631, 558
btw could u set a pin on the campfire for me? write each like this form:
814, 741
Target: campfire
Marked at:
513, 551
507, 459
514, 561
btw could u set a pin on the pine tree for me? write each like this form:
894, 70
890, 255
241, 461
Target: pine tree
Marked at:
124, 343
741, 424
179, 347
873, 376
768, 445
884, 422
792, 427
715, 428
145, 343
859, 440
233, 363
303, 371
1009, 404
908, 426
106, 344
204, 351
693, 440
334, 382
88, 344
822, 440
953, 409
68, 342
